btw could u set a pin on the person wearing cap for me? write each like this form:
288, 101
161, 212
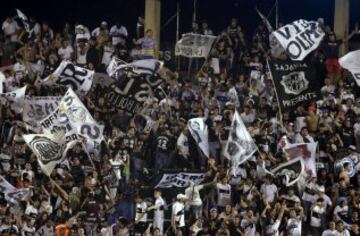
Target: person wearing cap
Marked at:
178, 214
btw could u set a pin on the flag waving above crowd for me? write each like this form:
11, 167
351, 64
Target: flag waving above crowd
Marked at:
351, 62
199, 132
194, 45
299, 38
295, 83
71, 76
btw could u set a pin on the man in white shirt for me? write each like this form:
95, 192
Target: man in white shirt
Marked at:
141, 215
268, 190
103, 27
318, 211
10, 28
331, 231
178, 214
66, 51
118, 32
195, 202
158, 207
294, 223
223, 190
272, 229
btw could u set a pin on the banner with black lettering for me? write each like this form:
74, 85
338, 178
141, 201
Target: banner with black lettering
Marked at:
12, 194
131, 89
180, 180
351, 62
194, 45
240, 146
50, 149
299, 38
38, 108
14, 98
199, 131
295, 83
82, 121
72, 76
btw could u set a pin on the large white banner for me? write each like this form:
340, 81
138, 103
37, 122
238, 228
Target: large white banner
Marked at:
299, 38
240, 146
50, 149
82, 121
180, 180
307, 151
12, 194
38, 108
146, 66
194, 45
71, 76
351, 62
14, 98
199, 132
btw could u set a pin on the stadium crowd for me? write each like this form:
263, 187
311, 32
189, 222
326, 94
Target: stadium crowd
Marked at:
115, 195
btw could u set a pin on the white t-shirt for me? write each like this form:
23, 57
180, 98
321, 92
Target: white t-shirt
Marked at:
345, 232
249, 227
178, 212
223, 194
65, 53
116, 32
329, 232
193, 195
140, 209
327, 200
269, 191
159, 213
108, 52
183, 144
315, 219
10, 29
273, 229
293, 226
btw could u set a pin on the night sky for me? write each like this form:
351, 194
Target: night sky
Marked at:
216, 12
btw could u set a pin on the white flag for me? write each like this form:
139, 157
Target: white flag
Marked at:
240, 146
199, 132
72, 76
15, 98
351, 62
25, 21
194, 45
49, 149
265, 21
82, 121
307, 151
38, 108
12, 194
299, 38
180, 180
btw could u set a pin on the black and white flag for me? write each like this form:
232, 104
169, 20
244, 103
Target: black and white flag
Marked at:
295, 83
38, 108
75, 77
299, 38
199, 131
50, 149
81, 121
351, 62
134, 85
194, 45
28, 28
289, 172
180, 180
12, 194
14, 98
307, 151
240, 146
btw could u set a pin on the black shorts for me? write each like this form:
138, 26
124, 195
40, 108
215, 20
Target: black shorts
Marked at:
140, 227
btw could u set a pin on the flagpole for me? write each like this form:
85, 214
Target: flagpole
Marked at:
277, 97
277, 14
178, 30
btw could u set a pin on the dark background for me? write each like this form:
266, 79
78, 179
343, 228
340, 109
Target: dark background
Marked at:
217, 12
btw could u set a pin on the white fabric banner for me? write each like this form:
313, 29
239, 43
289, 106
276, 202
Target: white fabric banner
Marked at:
351, 62
15, 98
180, 180
307, 151
50, 149
194, 45
82, 121
199, 132
71, 76
240, 146
145, 66
38, 108
291, 171
25, 21
12, 194
299, 38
